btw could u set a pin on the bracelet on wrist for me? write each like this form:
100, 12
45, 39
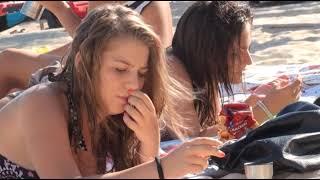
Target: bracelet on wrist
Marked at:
265, 109
159, 167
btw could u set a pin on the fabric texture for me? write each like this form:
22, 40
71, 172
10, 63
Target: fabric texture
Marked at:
290, 141
10, 170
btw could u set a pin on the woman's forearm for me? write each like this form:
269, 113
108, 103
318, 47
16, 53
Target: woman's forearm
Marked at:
69, 20
146, 153
259, 114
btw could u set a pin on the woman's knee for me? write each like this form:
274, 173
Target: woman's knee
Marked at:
9, 52
7, 59
8, 68
16, 66
4, 55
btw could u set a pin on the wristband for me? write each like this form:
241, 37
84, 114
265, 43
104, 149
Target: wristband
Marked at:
159, 167
265, 109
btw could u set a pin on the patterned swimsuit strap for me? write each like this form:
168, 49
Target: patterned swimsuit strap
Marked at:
74, 125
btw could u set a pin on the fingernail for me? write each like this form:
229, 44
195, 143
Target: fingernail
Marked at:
221, 153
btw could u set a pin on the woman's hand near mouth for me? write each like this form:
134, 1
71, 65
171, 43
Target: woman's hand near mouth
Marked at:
140, 116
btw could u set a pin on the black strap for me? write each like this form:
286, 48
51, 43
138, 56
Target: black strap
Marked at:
159, 167
135, 4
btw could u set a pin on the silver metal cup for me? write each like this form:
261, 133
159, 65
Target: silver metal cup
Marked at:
32, 9
258, 171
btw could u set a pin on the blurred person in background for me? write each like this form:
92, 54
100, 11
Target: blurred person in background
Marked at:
17, 65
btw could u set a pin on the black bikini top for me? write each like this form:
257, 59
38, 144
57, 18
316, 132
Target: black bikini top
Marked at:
74, 128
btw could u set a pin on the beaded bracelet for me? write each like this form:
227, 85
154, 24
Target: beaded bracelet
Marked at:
265, 109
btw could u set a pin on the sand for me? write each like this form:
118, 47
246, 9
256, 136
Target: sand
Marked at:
288, 34
282, 34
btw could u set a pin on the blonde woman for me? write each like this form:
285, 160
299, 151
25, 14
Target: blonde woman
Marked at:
101, 112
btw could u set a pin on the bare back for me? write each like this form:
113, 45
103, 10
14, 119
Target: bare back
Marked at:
33, 132
11, 136
178, 71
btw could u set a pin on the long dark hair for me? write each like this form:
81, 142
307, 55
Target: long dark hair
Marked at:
204, 36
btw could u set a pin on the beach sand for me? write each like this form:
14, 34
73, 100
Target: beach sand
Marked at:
282, 34
288, 34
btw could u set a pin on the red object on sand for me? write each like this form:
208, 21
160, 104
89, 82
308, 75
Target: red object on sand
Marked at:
2, 9
79, 7
10, 7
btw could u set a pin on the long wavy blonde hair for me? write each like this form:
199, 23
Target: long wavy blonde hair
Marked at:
112, 137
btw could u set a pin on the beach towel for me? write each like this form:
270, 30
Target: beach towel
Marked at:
258, 76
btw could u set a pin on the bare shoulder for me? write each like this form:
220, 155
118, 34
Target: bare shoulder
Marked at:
158, 12
159, 4
158, 15
178, 70
184, 105
36, 123
41, 107
43, 121
44, 100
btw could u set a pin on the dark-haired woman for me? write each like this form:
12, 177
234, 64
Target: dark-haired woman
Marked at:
210, 49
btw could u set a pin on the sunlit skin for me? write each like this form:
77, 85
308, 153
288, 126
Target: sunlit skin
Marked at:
122, 77
281, 91
241, 54
124, 66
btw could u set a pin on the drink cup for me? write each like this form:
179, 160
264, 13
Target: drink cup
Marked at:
259, 171
32, 9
